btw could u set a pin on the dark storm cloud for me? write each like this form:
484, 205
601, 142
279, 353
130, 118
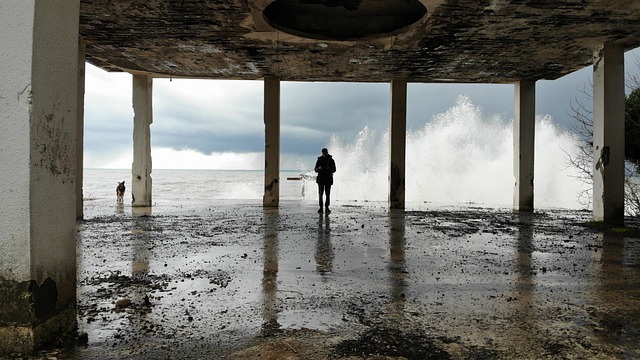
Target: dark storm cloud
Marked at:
108, 117
312, 112
208, 142
208, 116
334, 107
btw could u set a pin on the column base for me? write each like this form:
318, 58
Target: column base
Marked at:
27, 339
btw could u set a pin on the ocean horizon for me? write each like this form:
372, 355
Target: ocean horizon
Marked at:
197, 184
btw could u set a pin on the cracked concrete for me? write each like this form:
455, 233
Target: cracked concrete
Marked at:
455, 41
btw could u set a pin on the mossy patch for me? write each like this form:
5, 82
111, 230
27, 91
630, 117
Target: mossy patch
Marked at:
614, 230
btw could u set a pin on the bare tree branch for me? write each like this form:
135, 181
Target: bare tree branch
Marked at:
582, 158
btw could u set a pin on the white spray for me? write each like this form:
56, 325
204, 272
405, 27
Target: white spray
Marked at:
458, 158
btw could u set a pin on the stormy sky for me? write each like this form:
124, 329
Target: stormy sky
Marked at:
219, 125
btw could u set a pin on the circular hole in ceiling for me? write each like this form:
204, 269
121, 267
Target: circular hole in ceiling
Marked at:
343, 19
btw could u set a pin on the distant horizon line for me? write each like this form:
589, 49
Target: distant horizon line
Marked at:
100, 168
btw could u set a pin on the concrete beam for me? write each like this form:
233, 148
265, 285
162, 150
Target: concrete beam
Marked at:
398, 144
38, 118
608, 134
142, 119
271, 196
524, 144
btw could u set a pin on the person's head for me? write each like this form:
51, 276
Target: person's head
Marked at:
325, 152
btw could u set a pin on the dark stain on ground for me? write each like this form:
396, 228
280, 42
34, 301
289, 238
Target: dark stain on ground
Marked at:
392, 342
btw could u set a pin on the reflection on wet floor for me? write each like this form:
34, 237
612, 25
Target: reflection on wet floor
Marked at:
397, 270
324, 250
270, 272
242, 282
616, 287
140, 249
523, 331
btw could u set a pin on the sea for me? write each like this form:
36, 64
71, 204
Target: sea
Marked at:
460, 158
207, 186
196, 185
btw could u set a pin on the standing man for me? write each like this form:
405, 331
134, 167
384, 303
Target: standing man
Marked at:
325, 167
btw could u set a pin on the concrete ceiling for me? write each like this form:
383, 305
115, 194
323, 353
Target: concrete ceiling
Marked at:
487, 41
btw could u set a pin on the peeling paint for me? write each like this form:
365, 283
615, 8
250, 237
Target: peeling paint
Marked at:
269, 187
253, 68
53, 145
29, 95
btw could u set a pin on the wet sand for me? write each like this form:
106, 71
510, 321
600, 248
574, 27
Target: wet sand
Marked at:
236, 281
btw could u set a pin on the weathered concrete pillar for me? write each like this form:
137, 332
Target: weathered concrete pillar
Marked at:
142, 119
524, 121
38, 118
80, 132
398, 142
271, 196
608, 134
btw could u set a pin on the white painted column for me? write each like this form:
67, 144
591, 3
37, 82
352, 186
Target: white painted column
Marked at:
608, 134
142, 119
271, 196
398, 142
38, 118
524, 144
80, 132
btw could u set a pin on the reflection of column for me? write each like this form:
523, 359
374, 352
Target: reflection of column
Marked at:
397, 269
523, 332
610, 292
611, 260
270, 271
141, 226
140, 251
524, 282
324, 250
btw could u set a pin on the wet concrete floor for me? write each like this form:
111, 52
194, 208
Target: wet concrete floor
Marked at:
237, 281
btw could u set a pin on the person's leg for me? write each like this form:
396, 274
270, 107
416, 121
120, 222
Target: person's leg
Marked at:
320, 193
328, 201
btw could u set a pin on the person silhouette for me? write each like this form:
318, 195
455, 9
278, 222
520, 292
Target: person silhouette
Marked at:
325, 167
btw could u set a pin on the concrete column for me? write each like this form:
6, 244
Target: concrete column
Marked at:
80, 132
38, 118
398, 142
608, 134
271, 196
524, 144
142, 119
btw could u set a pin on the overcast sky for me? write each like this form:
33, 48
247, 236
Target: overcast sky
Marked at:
219, 125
